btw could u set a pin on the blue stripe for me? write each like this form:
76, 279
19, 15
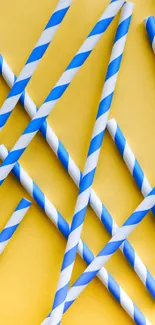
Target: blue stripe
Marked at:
110, 248
104, 105
122, 29
85, 278
136, 217
87, 254
150, 284
63, 155
22, 98
60, 296
16, 171
34, 125
13, 157
67, 305
3, 118
96, 143
114, 288
38, 196
101, 26
106, 219
87, 181
18, 87
63, 226
113, 67
78, 219
57, 17
7, 233
56, 93
129, 253
150, 27
120, 141
138, 174
37, 53
78, 60
23, 204
1, 63
69, 257
43, 129
139, 317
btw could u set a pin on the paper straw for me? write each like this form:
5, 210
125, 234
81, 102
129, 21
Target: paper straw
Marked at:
13, 223
145, 188
62, 225
33, 61
129, 157
76, 175
121, 234
90, 167
150, 28
60, 87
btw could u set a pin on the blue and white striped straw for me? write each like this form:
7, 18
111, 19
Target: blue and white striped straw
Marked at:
59, 89
90, 166
150, 28
121, 234
13, 223
109, 282
68, 163
129, 157
33, 61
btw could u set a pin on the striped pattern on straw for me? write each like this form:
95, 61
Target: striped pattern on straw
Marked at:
33, 61
150, 28
145, 188
59, 89
13, 223
121, 234
61, 224
75, 173
90, 165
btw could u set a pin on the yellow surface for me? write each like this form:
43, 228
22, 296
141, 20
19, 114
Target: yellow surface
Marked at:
29, 268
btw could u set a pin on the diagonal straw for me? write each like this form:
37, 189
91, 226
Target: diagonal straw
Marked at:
33, 60
145, 188
13, 223
105, 254
109, 282
90, 165
150, 28
68, 163
59, 89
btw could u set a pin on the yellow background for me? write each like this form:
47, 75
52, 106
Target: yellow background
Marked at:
29, 268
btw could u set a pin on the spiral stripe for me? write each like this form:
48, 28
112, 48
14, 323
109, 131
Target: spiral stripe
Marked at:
13, 223
59, 88
145, 187
33, 61
89, 171
121, 234
76, 175
61, 224
150, 28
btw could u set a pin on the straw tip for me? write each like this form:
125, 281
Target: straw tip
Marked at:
25, 202
148, 18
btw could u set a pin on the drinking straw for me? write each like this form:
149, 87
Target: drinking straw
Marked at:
33, 60
60, 87
90, 165
61, 224
110, 248
150, 28
13, 223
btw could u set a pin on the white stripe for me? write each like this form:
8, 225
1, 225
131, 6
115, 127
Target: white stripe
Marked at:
109, 86
129, 158
112, 127
147, 203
